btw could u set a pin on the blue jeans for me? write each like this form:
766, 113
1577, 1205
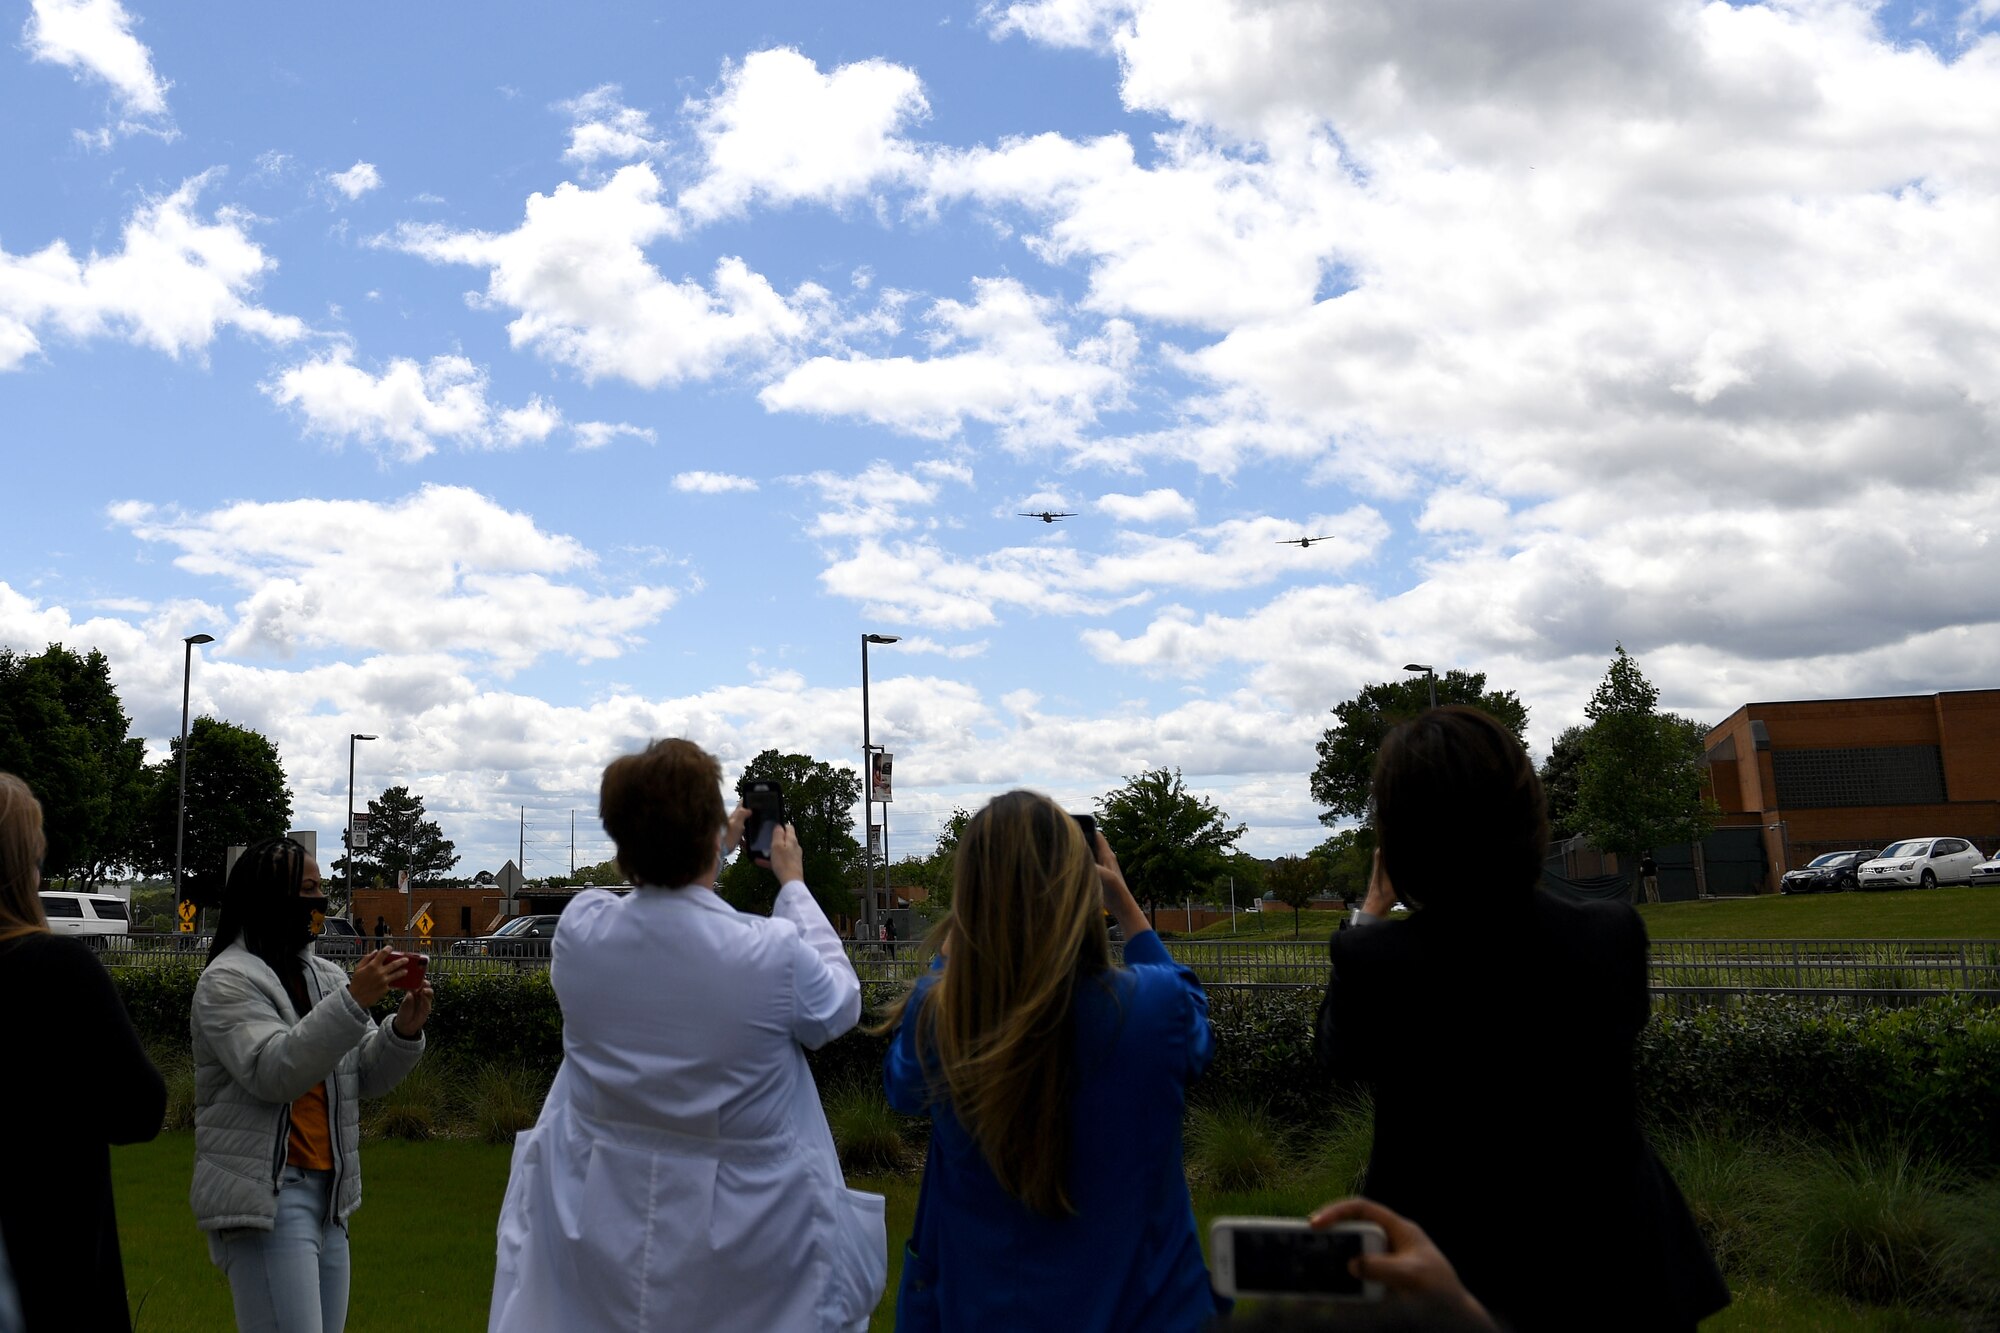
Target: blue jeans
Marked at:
292, 1278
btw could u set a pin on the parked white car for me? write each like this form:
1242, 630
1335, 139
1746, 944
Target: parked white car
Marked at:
1987, 871
1921, 863
88, 914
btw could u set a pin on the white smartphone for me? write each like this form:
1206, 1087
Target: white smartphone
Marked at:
1284, 1258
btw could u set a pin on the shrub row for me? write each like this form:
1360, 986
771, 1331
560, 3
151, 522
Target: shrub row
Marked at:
1927, 1075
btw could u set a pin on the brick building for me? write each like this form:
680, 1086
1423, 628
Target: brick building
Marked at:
1828, 775
456, 913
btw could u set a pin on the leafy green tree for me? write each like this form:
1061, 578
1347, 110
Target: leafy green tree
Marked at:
1248, 873
1296, 881
1639, 786
399, 839
236, 795
1561, 772
63, 732
1169, 842
820, 800
604, 875
944, 860
1341, 780
1346, 860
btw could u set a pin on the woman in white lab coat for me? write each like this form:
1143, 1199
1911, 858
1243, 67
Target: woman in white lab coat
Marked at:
682, 1175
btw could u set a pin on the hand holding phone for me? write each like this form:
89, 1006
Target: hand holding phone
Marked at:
414, 967
765, 799
1283, 1258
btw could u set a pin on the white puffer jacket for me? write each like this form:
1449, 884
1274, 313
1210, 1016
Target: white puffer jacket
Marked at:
254, 1056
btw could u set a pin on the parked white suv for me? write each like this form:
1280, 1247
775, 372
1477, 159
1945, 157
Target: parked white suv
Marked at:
89, 914
1922, 863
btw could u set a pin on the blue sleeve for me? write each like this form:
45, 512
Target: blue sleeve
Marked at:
903, 1077
1180, 992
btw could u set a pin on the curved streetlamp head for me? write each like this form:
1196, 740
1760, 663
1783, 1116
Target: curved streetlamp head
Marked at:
357, 736
1415, 666
199, 638
882, 638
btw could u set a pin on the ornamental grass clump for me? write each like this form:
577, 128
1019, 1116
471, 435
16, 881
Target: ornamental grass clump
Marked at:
867, 1133
1738, 1193
1233, 1146
1880, 1225
417, 1108
506, 1099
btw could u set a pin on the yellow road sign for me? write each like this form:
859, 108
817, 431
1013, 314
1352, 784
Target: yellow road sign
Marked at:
187, 910
423, 923
187, 927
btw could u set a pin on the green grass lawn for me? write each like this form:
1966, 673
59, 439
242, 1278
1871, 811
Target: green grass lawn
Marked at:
423, 1245
1941, 914
1271, 924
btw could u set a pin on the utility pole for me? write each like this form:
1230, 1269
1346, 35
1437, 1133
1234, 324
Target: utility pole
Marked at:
572, 844
521, 852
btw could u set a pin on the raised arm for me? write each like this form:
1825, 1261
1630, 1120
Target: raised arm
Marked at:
826, 993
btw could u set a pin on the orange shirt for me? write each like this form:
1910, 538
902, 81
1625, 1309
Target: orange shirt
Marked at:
311, 1142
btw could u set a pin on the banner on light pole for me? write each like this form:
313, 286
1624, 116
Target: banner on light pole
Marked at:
875, 841
881, 762
360, 843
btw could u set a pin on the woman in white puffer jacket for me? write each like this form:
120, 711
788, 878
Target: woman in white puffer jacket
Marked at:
284, 1048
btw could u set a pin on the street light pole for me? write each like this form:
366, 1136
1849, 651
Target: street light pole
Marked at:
868, 787
1430, 678
352, 737
180, 820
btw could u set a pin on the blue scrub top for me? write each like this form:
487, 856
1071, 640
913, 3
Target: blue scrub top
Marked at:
1130, 1257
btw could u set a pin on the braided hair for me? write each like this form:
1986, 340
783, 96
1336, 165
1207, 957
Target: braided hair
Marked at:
258, 904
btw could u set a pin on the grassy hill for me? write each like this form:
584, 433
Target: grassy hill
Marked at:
1944, 914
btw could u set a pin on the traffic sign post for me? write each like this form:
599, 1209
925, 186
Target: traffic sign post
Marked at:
423, 925
187, 912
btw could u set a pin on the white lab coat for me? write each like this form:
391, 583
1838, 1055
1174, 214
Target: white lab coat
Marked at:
682, 1175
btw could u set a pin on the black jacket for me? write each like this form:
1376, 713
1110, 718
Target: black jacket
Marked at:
78, 1081
1498, 1044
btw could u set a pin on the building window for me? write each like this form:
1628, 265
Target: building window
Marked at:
1871, 775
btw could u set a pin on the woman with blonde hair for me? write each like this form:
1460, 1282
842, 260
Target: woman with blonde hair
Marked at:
78, 1081
1055, 1083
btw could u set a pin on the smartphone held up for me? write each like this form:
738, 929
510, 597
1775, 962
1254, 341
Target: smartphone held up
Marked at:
764, 798
415, 965
1281, 1258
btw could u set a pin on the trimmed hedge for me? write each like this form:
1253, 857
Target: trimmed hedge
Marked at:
1927, 1075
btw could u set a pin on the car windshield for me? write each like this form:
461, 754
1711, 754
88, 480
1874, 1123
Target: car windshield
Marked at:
516, 926
1830, 859
1915, 847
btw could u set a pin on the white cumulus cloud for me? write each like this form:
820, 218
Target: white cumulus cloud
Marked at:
712, 483
176, 280
1161, 505
408, 406
778, 131
95, 37
602, 128
588, 297
445, 570
357, 180
1002, 359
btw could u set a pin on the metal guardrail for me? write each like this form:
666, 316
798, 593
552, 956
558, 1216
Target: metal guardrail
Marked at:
1878, 970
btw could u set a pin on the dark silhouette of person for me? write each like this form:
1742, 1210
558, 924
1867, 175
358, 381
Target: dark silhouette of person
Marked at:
381, 926
1496, 1026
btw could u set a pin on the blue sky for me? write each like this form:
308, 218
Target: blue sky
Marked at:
520, 384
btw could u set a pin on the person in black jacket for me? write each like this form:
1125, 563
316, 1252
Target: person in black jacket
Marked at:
1496, 1028
78, 1081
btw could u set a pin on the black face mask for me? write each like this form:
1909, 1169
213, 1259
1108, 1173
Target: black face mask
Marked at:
312, 911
